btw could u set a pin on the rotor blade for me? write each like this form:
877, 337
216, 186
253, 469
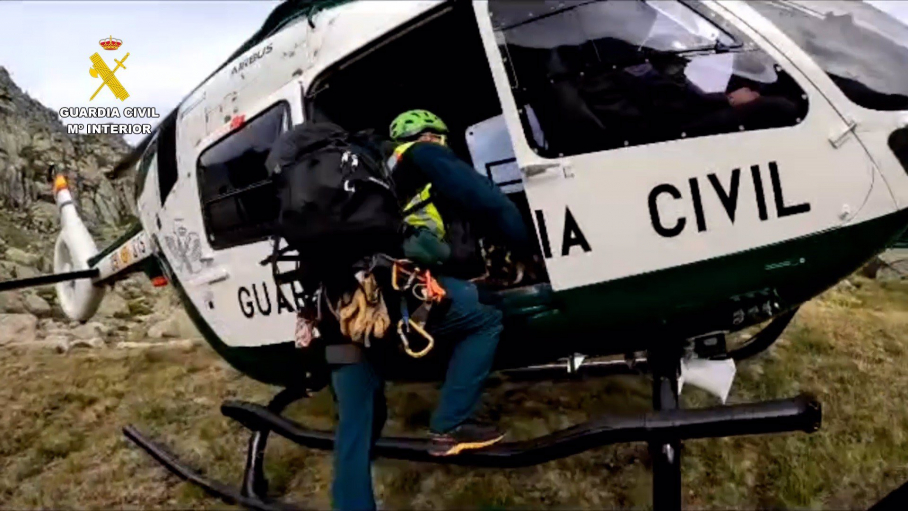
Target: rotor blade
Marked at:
43, 280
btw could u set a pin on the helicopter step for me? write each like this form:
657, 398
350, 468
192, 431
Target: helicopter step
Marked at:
663, 427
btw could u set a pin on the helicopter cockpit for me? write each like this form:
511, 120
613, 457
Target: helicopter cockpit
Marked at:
604, 75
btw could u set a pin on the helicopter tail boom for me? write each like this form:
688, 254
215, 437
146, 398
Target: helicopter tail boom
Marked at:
76, 255
80, 269
78, 298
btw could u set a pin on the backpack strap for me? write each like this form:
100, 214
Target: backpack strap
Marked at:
398, 154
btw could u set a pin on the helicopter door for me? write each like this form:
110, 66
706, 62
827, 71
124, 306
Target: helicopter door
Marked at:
649, 136
215, 247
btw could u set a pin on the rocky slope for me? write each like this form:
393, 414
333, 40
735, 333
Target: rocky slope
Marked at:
31, 138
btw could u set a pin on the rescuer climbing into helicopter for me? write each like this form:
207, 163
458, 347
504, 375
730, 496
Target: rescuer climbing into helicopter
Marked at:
444, 201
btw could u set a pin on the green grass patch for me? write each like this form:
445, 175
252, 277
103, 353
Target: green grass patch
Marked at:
62, 446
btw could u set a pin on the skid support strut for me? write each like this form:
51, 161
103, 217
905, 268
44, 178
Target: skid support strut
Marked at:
253, 491
254, 483
666, 452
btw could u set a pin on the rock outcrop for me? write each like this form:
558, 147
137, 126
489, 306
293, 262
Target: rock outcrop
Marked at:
17, 328
31, 138
133, 312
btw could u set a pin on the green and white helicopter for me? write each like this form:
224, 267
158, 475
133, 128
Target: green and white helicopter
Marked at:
690, 169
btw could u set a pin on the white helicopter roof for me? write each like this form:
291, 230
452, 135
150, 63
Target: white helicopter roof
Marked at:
275, 61
339, 31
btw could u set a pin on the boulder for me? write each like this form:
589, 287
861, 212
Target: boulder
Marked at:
22, 257
17, 328
113, 306
176, 325
12, 302
21, 271
37, 306
43, 216
89, 331
2, 245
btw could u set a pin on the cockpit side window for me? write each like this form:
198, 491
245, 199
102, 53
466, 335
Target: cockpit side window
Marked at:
600, 75
238, 199
862, 49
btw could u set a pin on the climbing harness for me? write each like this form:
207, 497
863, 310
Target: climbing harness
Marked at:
406, 278
363, 315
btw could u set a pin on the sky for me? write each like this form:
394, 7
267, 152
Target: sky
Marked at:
896, 8
172, 45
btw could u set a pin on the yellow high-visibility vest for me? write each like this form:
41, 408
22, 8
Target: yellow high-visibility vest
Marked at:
420, 211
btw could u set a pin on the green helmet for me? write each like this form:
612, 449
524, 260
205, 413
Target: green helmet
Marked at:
412, 123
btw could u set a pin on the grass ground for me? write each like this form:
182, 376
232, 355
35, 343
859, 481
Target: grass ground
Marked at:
61, 416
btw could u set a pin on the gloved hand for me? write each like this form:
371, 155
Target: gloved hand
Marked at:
501, 268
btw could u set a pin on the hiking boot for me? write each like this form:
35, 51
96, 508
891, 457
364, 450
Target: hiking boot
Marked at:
469, 435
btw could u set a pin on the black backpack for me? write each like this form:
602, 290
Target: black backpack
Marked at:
336, 201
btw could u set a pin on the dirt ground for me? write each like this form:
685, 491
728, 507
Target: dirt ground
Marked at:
61, 416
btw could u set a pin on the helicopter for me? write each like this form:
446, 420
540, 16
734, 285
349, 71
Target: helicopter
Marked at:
690, 169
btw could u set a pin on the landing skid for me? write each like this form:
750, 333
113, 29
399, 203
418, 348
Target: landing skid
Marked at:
663, 429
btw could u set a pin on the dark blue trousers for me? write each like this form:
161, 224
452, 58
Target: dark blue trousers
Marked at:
359, 393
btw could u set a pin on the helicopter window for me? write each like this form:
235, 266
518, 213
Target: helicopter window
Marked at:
606, 74
237, 198
862, 49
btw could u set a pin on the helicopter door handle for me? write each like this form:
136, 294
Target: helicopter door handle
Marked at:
536, 169
838, 140
210, 277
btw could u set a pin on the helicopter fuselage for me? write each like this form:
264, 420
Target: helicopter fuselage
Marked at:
651, 231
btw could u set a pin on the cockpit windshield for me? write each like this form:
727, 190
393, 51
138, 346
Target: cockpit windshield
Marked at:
661, 25
862, 48
597, 75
